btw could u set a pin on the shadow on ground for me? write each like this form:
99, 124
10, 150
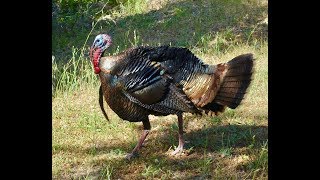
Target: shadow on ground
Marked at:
208, 143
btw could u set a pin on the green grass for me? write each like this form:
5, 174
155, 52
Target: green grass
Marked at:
233, 145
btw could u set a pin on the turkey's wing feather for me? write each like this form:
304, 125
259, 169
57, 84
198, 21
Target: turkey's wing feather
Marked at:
141, 78
185, 70
151, 93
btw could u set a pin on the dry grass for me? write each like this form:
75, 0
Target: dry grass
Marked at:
86, 145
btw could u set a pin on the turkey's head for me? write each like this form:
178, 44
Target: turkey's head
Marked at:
100, 44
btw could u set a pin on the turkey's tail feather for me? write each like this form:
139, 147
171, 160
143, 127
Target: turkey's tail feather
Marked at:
235, 82
101, 103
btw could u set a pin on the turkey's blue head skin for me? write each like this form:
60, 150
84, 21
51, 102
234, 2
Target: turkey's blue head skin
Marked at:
100, 44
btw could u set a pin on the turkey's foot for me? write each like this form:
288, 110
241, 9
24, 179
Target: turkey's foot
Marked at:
132, 155
178, 150
134, 152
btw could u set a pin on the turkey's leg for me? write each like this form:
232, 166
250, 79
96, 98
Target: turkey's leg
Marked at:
179, 149
146, 129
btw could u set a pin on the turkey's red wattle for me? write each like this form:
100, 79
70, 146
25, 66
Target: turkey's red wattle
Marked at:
97, 70
95, 55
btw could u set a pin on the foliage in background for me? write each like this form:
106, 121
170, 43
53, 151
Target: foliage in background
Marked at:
202, 26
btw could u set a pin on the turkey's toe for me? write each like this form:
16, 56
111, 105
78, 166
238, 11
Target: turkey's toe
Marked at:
179, 150
131, 156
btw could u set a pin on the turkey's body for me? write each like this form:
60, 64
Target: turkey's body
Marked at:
119, 103
167, 80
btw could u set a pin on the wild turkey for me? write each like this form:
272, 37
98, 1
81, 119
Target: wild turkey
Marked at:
166, 80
